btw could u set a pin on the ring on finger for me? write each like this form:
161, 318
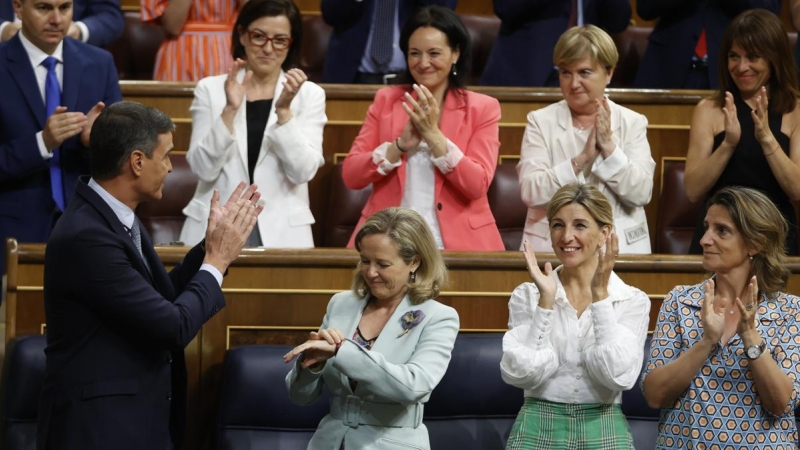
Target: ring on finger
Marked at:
425, 107
750, 306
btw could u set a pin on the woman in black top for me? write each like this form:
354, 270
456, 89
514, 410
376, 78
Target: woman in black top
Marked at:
748, 134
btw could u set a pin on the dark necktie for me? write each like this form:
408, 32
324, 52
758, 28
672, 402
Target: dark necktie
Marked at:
576, 14
381, 49
136, 236
52, 98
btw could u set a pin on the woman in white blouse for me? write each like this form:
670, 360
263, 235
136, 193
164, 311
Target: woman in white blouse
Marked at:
576, 334
261, 122
587, 138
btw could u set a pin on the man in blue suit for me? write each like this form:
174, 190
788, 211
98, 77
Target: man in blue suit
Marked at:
671, 60
522, 54
97, 22
349, 58
87, 80
117, 322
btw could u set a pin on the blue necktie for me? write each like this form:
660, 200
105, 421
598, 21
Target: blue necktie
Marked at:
52, 98
382, 45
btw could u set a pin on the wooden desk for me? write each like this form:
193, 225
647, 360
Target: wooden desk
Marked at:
278, 296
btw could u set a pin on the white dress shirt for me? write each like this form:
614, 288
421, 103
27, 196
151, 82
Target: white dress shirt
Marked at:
419, 191
557, 356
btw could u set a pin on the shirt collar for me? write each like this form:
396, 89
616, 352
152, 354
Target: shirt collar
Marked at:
617, 289
36, 55
121, 210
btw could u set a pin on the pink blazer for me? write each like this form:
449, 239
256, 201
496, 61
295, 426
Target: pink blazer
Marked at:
469, 120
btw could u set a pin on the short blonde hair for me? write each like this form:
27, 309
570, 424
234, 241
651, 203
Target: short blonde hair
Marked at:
587, 196
764, 228
413, 239
577, 42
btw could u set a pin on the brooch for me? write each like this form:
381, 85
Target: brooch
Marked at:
410, 320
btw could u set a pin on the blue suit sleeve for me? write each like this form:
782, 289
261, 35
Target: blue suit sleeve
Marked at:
104, 20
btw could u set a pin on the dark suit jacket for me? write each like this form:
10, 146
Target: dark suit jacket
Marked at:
667, 61
115, 375
522, 54
26, 203
351, 21
103, 18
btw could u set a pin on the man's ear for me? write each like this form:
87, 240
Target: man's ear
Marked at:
17, 4
136, 162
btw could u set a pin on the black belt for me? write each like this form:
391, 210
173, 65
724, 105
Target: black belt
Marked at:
376, 78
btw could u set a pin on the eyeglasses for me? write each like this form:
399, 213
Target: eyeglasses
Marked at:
260, 39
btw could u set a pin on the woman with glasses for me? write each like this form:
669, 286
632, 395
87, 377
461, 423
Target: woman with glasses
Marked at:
261, 123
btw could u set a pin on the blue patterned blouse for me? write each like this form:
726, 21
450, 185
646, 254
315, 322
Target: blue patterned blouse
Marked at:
721, 408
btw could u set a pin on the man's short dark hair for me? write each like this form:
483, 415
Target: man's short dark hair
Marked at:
119, 130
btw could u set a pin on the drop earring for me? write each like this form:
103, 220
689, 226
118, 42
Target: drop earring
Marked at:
454, 72
412, 276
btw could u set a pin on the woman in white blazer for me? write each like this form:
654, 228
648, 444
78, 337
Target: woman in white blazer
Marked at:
262, 122
587, 138
383, 346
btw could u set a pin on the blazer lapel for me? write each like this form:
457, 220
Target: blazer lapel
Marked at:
240, 125
74, 64
271, 119
564, 140
83, 190
453, 114
19, 66
388, 338
157, 273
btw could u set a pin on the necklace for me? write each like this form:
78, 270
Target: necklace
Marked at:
580, 128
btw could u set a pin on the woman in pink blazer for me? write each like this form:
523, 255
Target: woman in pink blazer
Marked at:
432, 145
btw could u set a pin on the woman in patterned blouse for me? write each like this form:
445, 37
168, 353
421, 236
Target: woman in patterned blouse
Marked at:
724, 359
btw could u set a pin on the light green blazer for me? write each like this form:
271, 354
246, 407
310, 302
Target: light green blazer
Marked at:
394, 379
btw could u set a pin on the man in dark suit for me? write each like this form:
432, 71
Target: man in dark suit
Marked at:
117, 322
522, 54
683, 49
85, 79
357, 26
97, 22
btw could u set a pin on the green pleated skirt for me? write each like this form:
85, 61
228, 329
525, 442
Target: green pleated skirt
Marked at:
544, 425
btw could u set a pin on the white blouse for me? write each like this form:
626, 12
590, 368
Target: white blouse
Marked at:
554, 355
419, 191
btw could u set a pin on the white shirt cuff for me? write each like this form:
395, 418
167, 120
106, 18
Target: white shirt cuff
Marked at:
603, 321
379, 159
213, 271
447, 162
539, 332
42, 149
84, 31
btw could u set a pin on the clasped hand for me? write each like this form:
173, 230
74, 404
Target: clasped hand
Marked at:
423, 113
320, 347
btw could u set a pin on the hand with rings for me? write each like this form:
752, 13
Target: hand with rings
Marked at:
423, 111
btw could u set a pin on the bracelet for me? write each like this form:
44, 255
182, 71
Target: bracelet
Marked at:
397, 143
777, 147
575, 163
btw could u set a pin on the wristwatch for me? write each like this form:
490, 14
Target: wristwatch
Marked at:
754, 351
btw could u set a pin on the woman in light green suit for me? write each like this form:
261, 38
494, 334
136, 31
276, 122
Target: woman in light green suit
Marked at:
383, 346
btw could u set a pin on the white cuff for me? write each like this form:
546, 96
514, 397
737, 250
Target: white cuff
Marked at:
447, 162
84, 31
213, 271
42, 149
603, 321
539, 332
565, 174
379, 159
